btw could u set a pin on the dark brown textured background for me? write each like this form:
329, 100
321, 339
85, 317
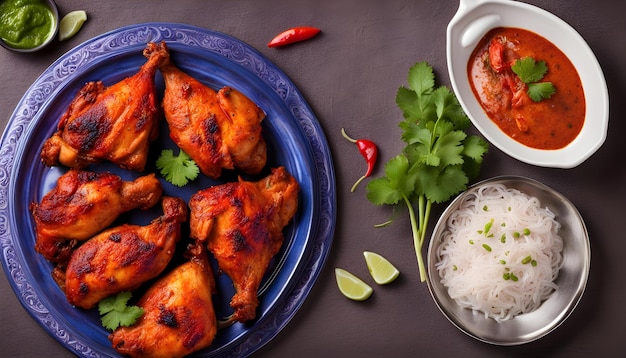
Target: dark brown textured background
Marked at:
349, 75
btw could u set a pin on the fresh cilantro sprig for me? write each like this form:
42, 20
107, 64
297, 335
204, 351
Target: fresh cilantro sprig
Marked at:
439, 158
531, 72
178, 170
116, 313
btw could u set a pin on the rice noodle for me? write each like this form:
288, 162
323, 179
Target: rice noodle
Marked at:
486, 267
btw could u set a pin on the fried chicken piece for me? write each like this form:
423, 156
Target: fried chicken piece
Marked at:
178, 314
122, 258
113, 123
84, 203
242, 225
219, 130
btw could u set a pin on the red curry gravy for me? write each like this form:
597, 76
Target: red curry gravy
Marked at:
549, 124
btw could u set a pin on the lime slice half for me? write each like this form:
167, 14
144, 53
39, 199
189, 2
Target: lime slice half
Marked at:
71, 23
351, 286
382, 271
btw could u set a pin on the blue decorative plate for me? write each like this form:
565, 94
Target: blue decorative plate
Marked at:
293, 135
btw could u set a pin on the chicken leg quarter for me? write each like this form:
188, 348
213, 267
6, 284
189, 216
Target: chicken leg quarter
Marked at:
84, 203
219, 130
122, 258
241, 224
115, 123
178, 314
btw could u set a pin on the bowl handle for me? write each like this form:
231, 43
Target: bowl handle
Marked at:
468, 28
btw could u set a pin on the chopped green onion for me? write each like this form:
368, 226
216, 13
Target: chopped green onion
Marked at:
471, 242
516, 234
526, 231
506, 276
533, 263
503, 262
513, 277
485, 208
526, 259
487, 247
488, 226
454, 268
503, 238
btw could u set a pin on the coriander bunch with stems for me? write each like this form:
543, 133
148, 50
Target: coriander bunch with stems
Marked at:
439, 158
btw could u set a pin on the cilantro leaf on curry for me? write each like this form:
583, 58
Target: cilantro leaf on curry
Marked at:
529, 70
540, 90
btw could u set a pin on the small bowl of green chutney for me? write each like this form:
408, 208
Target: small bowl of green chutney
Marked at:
28, 25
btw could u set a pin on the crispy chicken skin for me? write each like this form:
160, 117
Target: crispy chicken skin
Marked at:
219, 130
241, 224
84, 203
178, 314
122, 258
113, 123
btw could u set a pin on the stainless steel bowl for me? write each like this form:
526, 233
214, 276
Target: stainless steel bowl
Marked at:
572, 277
55, 13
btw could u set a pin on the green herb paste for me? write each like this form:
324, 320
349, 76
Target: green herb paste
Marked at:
25, 23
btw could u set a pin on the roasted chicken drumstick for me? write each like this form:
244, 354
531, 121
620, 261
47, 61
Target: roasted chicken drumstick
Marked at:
218, 130
113, 123
84, 203
178, 314
122, 258
241, 224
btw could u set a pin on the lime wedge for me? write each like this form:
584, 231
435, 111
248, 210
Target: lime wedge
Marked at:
71, 23
382, 271
351, 286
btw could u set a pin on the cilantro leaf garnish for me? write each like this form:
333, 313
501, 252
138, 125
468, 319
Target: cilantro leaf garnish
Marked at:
178, 170
541, 90
116, 313
531, 72
439, 158
528, 70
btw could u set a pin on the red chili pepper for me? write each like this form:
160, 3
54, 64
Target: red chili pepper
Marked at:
368, 150
292, 35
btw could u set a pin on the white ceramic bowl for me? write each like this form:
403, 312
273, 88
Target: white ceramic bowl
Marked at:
572, 278
472, 21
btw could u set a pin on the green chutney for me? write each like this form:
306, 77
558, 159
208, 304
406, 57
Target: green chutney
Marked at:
25, 24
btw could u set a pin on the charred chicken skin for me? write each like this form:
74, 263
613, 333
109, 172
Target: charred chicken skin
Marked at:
178, 314
113, 123
122, 258
218, 130
84, 203
241, 224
